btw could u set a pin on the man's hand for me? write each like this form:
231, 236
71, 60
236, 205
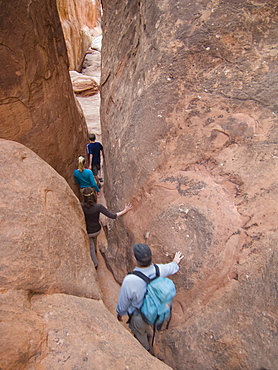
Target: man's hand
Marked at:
178, 257
120, 318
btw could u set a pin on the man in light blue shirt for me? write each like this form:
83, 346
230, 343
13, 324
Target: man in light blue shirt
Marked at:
133, 290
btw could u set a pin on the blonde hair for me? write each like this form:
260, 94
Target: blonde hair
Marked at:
81, 163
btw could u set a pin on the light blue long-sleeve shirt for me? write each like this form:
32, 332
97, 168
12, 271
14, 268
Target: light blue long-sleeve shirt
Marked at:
85, 179
133, 288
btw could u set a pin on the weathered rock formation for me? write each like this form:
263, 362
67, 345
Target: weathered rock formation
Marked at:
83, 85
78, 19
189, 115
90, 105
37, 104
45, 247
51, 312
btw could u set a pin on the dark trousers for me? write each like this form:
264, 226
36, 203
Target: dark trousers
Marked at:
140, 329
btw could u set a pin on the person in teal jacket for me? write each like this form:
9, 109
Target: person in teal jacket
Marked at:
84, 177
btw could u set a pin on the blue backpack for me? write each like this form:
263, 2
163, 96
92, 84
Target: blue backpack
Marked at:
157, 304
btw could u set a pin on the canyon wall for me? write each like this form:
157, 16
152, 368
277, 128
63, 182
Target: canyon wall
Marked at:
37, 104
78, 18
189, 126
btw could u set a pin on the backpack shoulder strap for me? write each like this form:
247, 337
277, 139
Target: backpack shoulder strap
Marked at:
141, 275
144, 277
157, 271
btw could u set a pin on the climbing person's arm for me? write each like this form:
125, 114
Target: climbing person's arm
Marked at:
171, 268
125, 210
109, 214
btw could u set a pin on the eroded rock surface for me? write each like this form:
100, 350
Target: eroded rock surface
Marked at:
44, 243
37, 104
91, 104
82, 333
78, 19
189, 114
83, 85
63, 331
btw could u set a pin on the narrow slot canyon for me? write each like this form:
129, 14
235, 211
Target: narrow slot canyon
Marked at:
183, 97
89, 99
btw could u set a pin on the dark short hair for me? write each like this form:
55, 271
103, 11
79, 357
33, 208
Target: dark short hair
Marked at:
142, 254
92, 137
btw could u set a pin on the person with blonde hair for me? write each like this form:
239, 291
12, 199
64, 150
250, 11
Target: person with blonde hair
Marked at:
84, 177
92, 211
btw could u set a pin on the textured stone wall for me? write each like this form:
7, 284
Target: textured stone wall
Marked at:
37, 104
78, 18
189, 124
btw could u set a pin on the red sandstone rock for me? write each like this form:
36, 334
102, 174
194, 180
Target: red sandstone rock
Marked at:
83, 85
44, 243
189, 115
50, 331
78, 19
37, 104
22, 330
83, 333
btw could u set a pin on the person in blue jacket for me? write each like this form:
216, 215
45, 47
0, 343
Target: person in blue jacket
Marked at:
84, 177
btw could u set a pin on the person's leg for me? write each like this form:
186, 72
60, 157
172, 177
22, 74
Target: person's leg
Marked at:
99, 172
93, 247
95, 169
140, 329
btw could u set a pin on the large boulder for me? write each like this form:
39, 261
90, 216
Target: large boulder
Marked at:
57, 331
44, 243
83, 85
82, 333
37, 103
189, 114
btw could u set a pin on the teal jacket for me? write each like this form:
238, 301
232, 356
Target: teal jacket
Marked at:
85, 179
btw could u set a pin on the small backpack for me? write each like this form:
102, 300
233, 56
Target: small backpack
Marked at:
157, 304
